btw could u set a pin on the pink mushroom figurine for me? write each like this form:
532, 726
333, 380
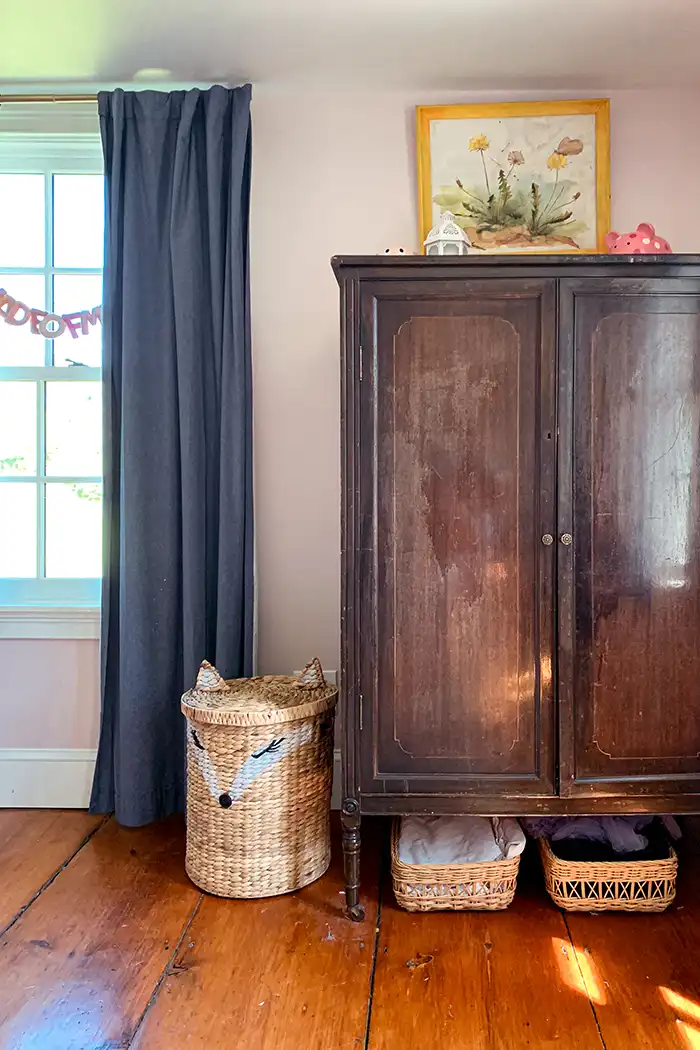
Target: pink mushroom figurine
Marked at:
644, 241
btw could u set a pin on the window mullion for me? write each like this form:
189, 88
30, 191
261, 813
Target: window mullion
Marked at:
41, 480
48, 260
41, 385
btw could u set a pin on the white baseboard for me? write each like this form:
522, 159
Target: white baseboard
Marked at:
46, 778
39, 621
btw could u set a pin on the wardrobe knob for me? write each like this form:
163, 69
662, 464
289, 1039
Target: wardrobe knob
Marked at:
566, 539
548, 539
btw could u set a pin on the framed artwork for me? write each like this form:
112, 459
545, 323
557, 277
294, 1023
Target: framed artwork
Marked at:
518, 176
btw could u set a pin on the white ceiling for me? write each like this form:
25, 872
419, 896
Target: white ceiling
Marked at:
444, 44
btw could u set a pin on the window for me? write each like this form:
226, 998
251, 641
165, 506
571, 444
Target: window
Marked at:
51, 256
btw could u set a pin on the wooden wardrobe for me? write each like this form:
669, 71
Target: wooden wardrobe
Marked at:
521, 536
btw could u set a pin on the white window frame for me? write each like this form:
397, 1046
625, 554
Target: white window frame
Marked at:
47, 154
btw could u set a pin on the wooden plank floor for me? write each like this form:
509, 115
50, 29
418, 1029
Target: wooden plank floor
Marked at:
287, 972
34, 845
643, 971
107, 946
483, 979
81, 964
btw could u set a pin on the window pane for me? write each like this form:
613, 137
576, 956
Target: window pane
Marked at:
78, 221
71, 294
73, 429
17, 344
73, 530
22, 238
17, 428
17, 529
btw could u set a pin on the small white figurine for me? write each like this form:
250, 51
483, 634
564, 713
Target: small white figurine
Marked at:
397, 251
447, 238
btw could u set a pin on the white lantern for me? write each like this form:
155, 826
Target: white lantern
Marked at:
446, 238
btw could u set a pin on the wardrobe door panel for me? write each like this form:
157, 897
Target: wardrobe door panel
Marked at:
630, 582
456, 485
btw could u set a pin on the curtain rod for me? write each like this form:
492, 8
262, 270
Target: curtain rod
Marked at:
47, 98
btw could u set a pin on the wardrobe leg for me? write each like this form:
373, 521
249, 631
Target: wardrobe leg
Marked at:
350, 820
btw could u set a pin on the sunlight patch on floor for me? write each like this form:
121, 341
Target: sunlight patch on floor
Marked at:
691, 1036
680, 1003
578, 971
687, 1008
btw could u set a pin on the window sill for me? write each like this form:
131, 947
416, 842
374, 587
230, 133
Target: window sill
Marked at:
49, 621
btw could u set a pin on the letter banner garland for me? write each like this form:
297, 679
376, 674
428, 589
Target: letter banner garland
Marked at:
42, 323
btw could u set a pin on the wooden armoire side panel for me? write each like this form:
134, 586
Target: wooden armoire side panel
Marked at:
459, 642
451, 538
637, 538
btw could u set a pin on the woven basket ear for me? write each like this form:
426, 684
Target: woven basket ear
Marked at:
312, 676
209, 680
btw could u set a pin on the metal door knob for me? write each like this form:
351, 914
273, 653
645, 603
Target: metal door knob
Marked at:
566, 539
548, 539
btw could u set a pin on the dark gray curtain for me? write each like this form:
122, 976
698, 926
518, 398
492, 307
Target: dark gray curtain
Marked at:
178, 539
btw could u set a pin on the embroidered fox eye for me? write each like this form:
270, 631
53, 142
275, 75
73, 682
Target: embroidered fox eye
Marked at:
196, 741
271, 748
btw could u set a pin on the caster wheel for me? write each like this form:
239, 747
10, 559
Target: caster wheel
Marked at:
357, 913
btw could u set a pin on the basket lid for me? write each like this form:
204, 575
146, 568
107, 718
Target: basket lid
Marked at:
268, 700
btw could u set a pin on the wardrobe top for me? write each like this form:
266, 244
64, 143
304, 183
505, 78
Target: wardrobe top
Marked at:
650, 265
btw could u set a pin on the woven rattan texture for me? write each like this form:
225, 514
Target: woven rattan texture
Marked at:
643, 885
489, 886
269, 700
258, 785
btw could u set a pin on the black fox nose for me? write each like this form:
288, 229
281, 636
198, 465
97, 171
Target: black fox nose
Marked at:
225, 800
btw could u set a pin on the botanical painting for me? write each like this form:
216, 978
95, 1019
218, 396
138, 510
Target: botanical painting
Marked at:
518, 180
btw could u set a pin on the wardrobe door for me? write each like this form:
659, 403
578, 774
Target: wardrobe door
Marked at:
456, 478
629, 584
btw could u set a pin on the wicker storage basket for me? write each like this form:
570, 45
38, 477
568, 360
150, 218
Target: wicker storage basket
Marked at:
618, 885
259, 772
486, 886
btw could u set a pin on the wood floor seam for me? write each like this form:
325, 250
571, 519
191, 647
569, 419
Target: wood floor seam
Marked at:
583, 980
166, 970
52, 878
375, 951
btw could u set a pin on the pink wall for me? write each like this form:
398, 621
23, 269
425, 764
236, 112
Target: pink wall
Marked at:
49, 693
655, 158
333, 172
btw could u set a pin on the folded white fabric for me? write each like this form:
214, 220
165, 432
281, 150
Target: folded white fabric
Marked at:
459, 840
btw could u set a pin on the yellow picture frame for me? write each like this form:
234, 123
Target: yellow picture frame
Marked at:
599, 108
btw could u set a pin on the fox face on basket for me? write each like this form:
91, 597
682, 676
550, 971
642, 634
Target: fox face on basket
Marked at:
229, 773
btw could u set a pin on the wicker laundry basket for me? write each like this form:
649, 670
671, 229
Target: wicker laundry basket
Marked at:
482, 886
617, 885
259, 773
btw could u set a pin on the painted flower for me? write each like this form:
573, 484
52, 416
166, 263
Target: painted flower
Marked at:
479, 142
556, 160
515, 157
569, 147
